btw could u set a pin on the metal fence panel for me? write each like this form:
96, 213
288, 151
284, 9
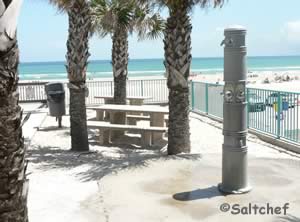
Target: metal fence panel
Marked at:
274, 112
32, 92
155, 89
199, 97
98, 88
215, 100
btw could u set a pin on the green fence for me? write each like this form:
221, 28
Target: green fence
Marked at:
273, 112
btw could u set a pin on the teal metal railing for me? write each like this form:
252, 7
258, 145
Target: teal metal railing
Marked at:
273, 112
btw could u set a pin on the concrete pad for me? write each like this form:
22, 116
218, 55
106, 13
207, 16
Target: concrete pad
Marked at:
67, 206
186, 190
123, 183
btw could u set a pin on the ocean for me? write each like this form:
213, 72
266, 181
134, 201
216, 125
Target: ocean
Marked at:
153, 67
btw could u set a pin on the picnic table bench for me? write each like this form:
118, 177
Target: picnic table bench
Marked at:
156, 114
132, 119
146, 132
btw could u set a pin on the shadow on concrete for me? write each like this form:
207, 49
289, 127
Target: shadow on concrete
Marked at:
98, 164
127, 142
198, 194
51, 128
92, 119
287, 218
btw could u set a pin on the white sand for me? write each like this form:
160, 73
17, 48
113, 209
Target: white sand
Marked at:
277, 80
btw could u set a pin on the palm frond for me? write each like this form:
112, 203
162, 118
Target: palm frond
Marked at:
110, 16
9, 13
65, 5
172, 4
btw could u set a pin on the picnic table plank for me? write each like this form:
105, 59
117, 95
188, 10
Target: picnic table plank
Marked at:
106, 125
131, 108
133, 100
128, 97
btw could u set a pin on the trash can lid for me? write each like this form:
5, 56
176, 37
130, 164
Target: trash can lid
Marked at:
54, 86
233, 28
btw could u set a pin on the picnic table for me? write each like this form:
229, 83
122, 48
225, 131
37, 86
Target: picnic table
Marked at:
133, 100
156, 114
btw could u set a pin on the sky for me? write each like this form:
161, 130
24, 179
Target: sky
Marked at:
273, 30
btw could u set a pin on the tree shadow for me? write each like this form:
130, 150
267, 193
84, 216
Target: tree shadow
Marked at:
287, 218
198, 194
51, 128
92, 119
98, 163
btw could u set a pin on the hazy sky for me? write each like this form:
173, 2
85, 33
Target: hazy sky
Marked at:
273, 29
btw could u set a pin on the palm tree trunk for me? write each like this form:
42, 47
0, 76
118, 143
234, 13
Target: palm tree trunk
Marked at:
120, 71
77, 61
13, 182
177, 61
79, 134
120, 65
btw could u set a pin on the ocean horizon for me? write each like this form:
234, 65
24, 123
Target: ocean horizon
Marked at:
154, 67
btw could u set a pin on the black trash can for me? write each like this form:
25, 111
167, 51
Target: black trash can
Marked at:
56, 100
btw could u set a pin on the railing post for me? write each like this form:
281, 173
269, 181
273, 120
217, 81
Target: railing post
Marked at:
111, 88
206, 98
142, 87
248, 108
279, 108
193, 94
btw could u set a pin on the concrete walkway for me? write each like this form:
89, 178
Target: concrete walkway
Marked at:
36, 116
123, 183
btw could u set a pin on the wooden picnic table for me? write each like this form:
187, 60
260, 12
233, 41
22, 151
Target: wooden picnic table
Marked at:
133, 100
156, 114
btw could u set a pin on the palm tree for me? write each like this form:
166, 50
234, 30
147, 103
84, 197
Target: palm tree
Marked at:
177, 45
13, 182
77, 60
119, 18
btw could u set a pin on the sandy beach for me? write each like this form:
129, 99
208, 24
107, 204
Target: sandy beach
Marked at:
275, 80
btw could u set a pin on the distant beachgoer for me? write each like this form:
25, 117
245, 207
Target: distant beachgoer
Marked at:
266, 80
